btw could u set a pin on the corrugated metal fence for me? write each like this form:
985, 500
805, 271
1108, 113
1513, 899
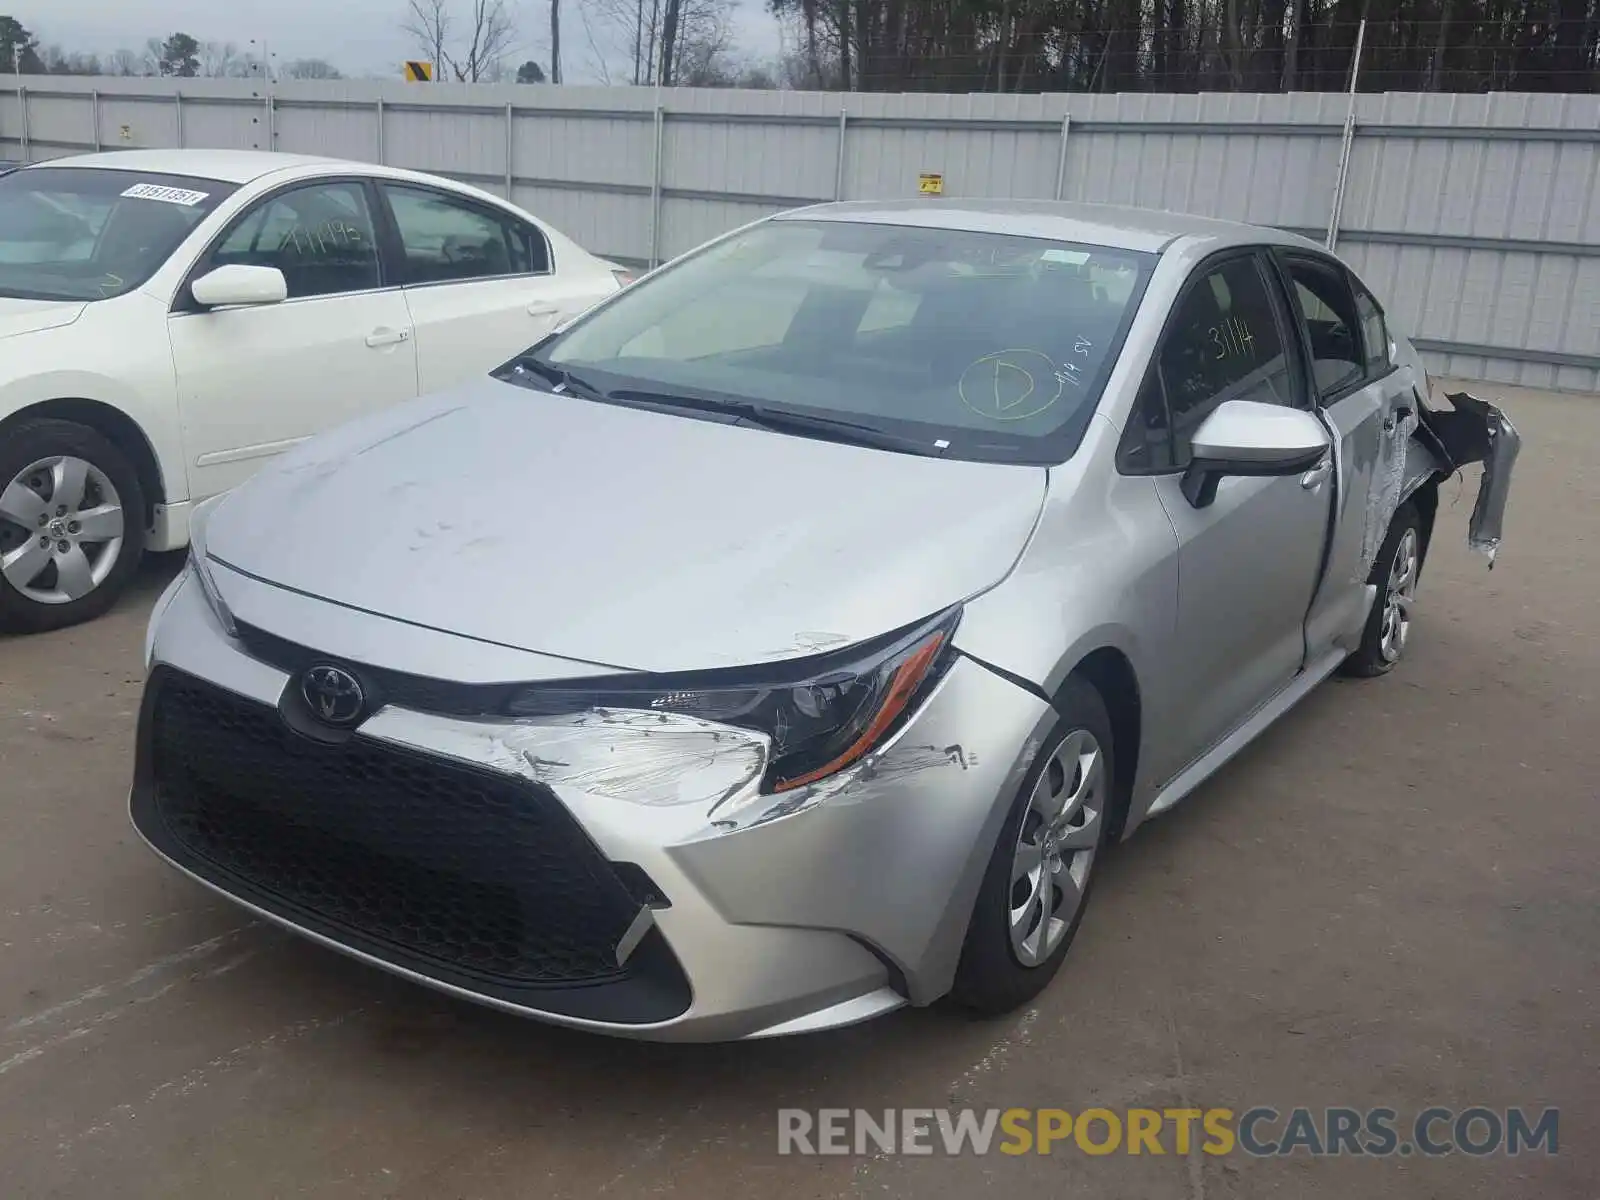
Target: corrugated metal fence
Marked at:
1475, 215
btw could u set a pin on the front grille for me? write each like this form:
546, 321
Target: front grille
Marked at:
464, 874
417, 692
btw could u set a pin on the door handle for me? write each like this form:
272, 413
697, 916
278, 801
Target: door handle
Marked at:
388, 337
539, 308
1315, 477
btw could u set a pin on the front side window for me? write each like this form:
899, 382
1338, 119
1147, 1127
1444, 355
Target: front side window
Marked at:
78, 233
1223, 342
1329, 310
966, 344
448, 240
320, 236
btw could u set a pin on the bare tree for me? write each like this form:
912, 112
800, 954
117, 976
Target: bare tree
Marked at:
492, 39
671, 19
428, 24
637, 30
701, 54
123, 62
247, 66
311, 68
218, 59
476, 56
57, 62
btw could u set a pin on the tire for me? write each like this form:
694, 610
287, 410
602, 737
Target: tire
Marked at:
57, 570
1394, 572
997, 972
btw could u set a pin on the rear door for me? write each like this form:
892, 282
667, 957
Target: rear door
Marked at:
255, 380
1248, 562
1362, 396
480, 283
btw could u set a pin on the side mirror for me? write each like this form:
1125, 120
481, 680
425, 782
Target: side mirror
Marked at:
237, 283
1246, 437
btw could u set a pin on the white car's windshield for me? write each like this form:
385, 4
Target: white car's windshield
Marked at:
981, 345
79, 233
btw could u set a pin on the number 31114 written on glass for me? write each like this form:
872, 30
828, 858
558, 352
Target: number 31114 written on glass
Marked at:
1232, 339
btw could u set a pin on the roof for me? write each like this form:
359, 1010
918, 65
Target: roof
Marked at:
1122, 226
229, 166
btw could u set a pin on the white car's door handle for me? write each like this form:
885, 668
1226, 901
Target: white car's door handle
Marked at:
1315, 477
540, 308
388, 337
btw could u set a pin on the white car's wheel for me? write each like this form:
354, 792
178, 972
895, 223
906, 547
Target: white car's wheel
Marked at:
71, 525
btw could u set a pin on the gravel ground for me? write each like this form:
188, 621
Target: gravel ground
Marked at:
1388, 900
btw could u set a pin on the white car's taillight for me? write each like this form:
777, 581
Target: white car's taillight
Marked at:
623, 278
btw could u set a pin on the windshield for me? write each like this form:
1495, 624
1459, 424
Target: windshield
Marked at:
76, 233
975, 345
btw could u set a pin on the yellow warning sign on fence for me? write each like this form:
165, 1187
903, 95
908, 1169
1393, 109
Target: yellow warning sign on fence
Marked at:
419, 72
930, 183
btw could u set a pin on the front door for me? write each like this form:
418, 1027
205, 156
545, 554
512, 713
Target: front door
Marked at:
253, 381
1361, 397
1247, 563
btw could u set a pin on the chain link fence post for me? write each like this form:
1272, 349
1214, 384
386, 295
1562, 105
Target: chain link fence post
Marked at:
655, 187
1348, 140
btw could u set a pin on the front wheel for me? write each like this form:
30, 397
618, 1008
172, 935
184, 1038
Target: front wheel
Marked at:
71, 525
1394, 573
1036, 887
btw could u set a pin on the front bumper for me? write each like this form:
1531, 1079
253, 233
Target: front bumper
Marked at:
728, 914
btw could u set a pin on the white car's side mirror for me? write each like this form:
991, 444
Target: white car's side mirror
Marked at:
237, 283
1247, 437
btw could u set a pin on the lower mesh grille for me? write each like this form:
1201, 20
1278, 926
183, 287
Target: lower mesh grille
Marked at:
461, 869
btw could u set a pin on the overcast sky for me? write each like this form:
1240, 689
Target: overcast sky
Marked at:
357, 36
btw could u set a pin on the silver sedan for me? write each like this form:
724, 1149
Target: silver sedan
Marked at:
783, 641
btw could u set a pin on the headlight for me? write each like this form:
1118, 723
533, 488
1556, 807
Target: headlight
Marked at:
822, 713
163, 602
200, 568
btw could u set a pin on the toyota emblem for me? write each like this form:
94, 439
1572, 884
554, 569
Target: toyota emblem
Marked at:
333, 694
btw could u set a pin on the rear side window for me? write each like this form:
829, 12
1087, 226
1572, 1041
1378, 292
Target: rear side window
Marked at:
1328, 308
1374, 333
450, 240
1224, 342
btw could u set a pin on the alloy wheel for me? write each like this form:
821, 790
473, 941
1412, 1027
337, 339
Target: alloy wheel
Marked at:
61, 529
1056, 847
1399, 595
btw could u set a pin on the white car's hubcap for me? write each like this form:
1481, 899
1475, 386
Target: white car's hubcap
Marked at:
61, 528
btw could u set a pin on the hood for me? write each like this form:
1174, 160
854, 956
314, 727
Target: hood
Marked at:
30, 316
623, 537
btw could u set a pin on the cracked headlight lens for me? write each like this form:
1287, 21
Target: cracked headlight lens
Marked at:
200, 566
822, 713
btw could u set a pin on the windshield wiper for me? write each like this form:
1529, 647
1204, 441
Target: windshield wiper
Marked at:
559, 378
781, 420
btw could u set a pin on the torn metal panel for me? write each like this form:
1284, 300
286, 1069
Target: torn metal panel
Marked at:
1476, 431
1387, 489
1425, 459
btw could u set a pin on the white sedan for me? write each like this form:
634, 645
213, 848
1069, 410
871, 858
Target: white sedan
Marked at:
172, 318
